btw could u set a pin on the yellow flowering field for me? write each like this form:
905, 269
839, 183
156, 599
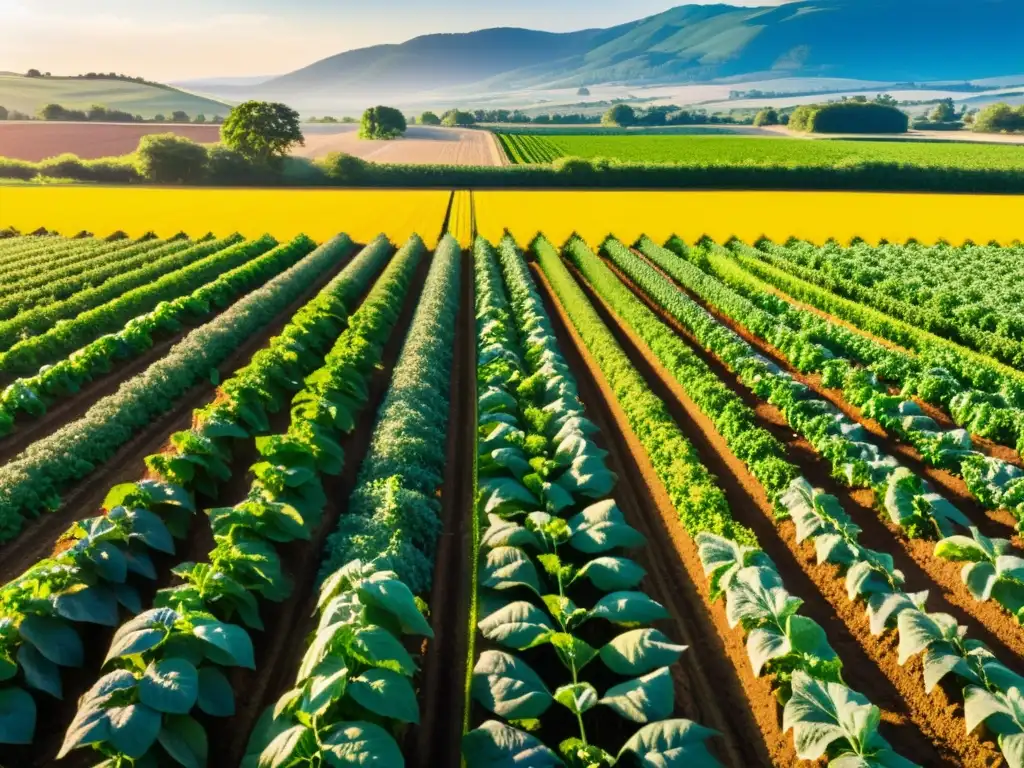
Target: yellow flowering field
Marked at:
814, 216
284, 213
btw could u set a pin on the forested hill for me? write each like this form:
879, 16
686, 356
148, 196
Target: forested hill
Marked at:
893, 40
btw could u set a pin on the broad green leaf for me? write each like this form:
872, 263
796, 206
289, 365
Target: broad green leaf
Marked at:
612, 573
40, 673
917, 631
962, 548
507, 533
185, 740
17, 716
508, 567
395, 597
574, 652
757, 595
89, 726
362, 744
940, 659
505, 495
628, 608
519, 625
980, 705
171, 686
133, 729
327, 686
380, 648
670, 744
95, 605
216, 696
145, 631
283, 748
979, 578
229, 638
577, 698
54, 638
508, 687
640, 651
644, 699
602, 527
766, 644
496, 745
821, 713
387, 694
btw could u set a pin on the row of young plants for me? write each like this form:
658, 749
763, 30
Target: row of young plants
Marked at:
207, 260
32, 483
59, 283
960, 310
993, 413
908, 501
827, 718
870, 575
353, 694
994, 482
32, 396
86, 581
160, 258
31, 257
765, 262
393, 511
284, 504
555, 538
24, 283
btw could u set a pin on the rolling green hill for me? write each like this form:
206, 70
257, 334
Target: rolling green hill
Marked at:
30, 94
889, 40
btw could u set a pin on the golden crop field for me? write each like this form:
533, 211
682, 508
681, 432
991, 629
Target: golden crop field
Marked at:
364, 213
813, 216
283, 213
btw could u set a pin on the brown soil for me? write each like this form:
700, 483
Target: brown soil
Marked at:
84, 499
987, 621
280, 648
37, 141
437, 739
926, 728
714, 683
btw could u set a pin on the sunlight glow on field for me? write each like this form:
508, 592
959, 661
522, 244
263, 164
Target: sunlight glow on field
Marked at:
814, 216
284, 213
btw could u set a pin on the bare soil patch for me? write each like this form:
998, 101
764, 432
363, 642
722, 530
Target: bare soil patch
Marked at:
421, 145
35, 141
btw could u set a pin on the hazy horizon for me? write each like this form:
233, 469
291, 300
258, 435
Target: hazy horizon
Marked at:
191, 39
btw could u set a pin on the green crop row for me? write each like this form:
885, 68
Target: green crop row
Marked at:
779, 640
32, 483
55, 264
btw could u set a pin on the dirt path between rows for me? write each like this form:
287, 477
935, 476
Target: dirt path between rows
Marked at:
714, 683
987, 621
929, 729
280, 648
438, 738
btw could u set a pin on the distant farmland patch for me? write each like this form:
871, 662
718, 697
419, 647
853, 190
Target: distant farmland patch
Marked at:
736, 150
37, 141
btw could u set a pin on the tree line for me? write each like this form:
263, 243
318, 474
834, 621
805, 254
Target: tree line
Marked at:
98, 113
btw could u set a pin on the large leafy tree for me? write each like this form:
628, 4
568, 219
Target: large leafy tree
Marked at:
429, 118
262, 131
382, 123
621, 115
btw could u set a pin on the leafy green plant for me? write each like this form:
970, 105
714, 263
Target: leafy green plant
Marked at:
991, 571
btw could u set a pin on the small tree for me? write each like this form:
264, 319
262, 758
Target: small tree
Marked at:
620, 116
159, 118
33, 73
583, 91
3, 113
200, 118
262, 131
429, 118
454, 118
766, 117
382, 123
177, 116
997, 118
886, 99
169, 159
944, 112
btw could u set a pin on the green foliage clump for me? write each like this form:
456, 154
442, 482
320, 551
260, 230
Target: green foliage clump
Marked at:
455, 118
619, 116
849, 117
429, 118
766, 117
261, 131
1000, 118
169, 159
382, 123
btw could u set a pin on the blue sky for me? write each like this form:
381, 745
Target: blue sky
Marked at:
168, 39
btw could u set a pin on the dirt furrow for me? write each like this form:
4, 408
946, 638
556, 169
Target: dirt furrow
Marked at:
930, 729
714, 683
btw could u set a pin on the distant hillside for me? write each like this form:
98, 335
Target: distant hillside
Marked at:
30, 94
892, 40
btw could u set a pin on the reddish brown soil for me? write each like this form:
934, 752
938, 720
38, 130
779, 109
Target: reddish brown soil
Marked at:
929, 729
437, 739
714, 683
280, 648
37, 141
